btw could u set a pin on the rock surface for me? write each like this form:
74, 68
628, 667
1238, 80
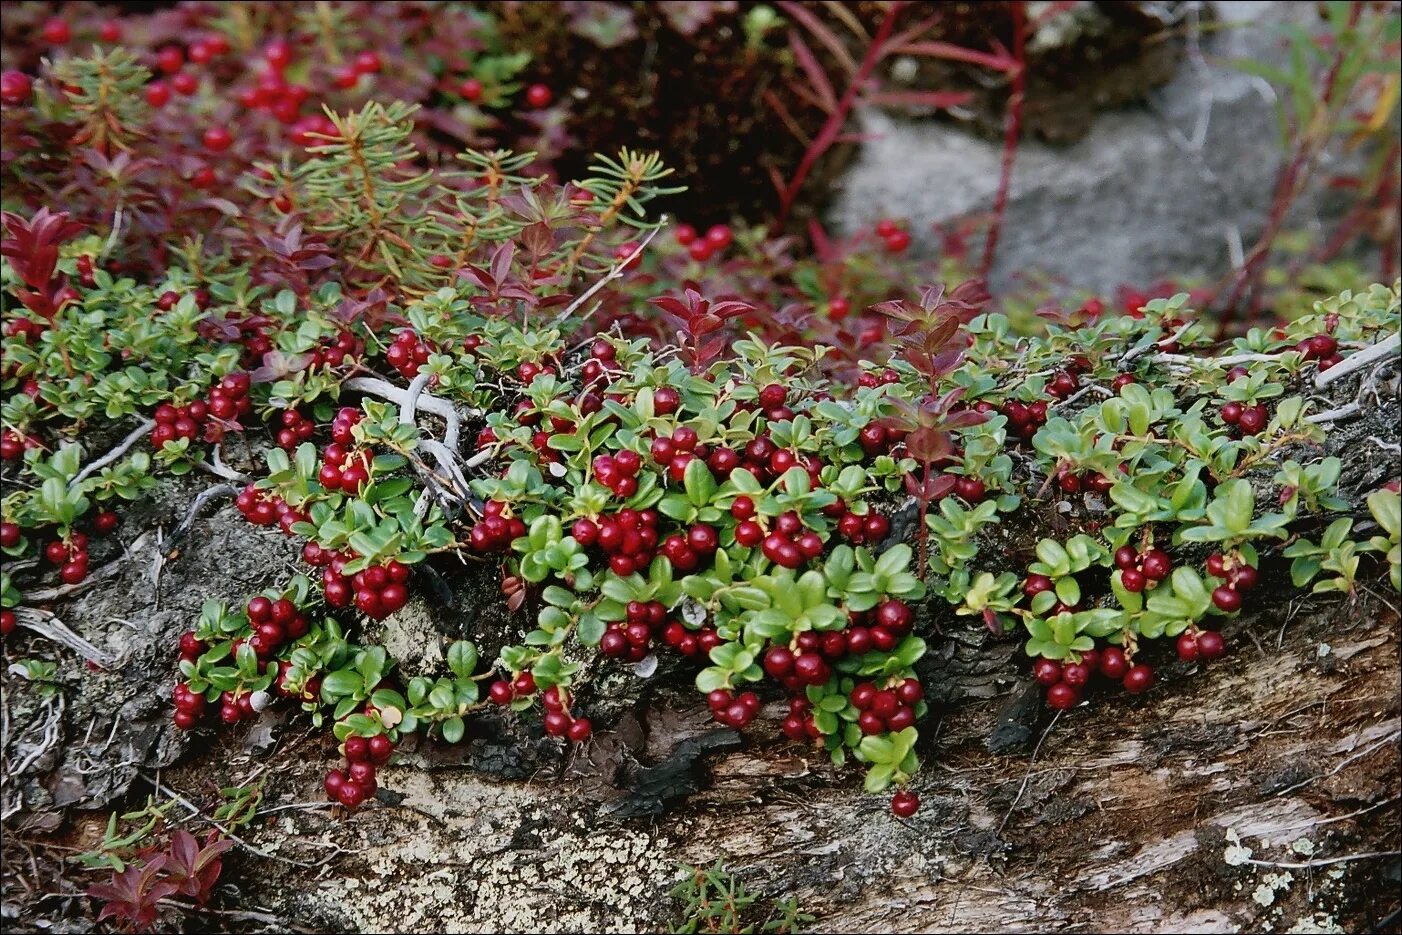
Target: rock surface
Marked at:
1167, 188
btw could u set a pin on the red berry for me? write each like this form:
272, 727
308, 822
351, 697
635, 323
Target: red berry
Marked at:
15, 87
217, 139
1062, 696
56, 31
1113, 664
357, 748
1139, 679
471, 89
1211, 645
905, 803
538, 96
1046, 671
1227, 599
1187, 647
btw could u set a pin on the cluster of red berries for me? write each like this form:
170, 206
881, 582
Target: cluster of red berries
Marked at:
495, 531
798, 724
895, 238
618, 472
226, 402
344, 470
1139, 570
1200, 645
559, 720
349, 75
1072, 482
631, 638
274, 622
408, 353
600, 365
701, 247
693, 643
503, 691
1239, 577
788, 544
71, 555
262, 509
170, 60
860, 529
190, 706
732, 709
377, 591
1065, 682
1024, 419
886, 709
1246, 420
686, 550
296, 428
628, 538
1323, 348
356, 783
887, 377
345, 348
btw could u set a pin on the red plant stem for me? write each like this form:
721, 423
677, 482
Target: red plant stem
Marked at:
1289, 184
924, 533
1012, 130
838, 118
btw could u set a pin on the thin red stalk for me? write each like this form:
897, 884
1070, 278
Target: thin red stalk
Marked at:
1012, 130
1291, 182
838, 118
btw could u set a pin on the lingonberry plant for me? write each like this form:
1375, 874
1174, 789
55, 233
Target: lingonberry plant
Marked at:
677, 444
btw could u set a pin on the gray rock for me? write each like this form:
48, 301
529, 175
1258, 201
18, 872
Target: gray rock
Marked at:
1168, 188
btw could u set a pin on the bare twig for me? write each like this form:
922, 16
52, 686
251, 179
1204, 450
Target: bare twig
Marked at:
1134, 353
50, 627
434, 405
218, 468
206, 495
1379, 351
122, 448
1348, 411
224, 830
614, 272
1347, 858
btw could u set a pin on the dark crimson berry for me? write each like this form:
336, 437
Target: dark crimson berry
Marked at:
1113, 664
1076, 675
1157, 564
1036, 584
538, 96
1211, 645
1243, 577
1253, 419
1139, 679
357, 748
1062, 697
1126, 557
1133, 580
1227, 599
1231, 412
1187, 647
905, 803
1046, 671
